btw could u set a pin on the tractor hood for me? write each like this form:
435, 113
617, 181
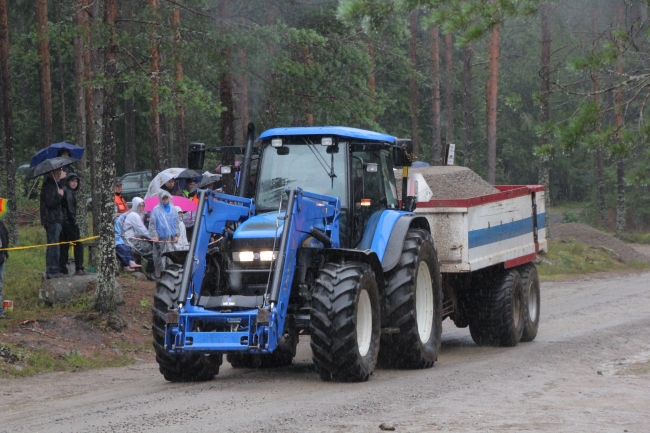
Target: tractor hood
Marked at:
260, 226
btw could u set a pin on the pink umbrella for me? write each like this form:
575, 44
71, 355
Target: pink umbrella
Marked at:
185, 204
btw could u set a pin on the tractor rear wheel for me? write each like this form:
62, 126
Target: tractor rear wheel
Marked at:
497, 310
530, 282
413, 305
345, 322
186, 367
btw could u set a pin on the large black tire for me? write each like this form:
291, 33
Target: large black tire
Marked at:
414, 305
282, 356
530, 282
345, 322
497, 316
177, 367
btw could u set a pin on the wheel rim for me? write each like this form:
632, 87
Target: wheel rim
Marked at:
532, 302
424, 302
364, 323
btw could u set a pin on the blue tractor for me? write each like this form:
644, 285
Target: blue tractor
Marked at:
315, 242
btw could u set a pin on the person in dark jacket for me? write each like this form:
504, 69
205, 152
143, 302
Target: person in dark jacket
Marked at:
70, 228
4, 255
51, 218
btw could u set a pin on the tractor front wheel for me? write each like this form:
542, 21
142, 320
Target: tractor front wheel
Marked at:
186, 367
345, 322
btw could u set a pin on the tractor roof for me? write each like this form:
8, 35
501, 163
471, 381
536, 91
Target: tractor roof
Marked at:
339, 131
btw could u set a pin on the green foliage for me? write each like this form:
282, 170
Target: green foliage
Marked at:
570, 217
573, 258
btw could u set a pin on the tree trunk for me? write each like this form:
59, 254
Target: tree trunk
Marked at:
545, 87
8, 122
436, 153
599, 151
105, 292
45, 80
468, 106
227, 132
129, 135
414, 84
618, 120
269, 103
491, 105
372, 79
449, 91
64, 126
80, 107
97, 112
156, 142
242, 98
181, 139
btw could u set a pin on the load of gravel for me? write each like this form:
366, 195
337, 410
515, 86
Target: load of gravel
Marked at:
450, 182
588, 235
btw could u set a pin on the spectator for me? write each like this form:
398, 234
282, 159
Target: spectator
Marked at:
182, 244
70, 228
189, 218
67, 169
134, 230
120, 203
122, 250
51, 208
4, 256
163, 229
171, 187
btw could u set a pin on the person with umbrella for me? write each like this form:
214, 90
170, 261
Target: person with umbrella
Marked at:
51, 209
69, 227
4, 255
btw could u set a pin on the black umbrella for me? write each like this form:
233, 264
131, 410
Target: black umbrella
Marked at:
188, 174
208, 179
48, 165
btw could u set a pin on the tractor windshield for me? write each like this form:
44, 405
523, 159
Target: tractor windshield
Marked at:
308, 166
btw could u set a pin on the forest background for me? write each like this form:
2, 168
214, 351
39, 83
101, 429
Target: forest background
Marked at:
530, 91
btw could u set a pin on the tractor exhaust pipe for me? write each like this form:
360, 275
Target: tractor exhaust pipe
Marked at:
246, 165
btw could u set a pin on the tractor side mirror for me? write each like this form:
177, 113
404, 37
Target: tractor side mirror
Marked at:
196, 156
403, 155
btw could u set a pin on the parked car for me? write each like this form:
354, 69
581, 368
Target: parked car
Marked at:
135, 184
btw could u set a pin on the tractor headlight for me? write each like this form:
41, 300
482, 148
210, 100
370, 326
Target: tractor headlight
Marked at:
243, 256
267, 256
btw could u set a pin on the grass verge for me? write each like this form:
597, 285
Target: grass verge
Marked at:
19, 362
567, 258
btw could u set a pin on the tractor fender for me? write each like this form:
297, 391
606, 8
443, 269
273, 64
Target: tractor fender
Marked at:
396, 241
339, 255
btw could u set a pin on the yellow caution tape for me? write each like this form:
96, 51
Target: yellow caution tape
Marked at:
50, 245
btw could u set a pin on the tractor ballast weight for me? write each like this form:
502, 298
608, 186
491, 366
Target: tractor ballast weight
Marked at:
336, 265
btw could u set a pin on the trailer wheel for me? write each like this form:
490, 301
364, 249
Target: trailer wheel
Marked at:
497, 318
413, 305
530, 282
345, 322
177, 367
282, 356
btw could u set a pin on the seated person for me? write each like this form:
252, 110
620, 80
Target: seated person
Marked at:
123, 251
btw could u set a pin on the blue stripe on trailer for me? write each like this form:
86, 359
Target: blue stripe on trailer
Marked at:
541, 221
501, 232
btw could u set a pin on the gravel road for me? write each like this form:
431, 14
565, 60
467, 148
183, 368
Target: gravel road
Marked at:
587, 371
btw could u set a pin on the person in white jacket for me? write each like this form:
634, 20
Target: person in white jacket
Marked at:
182, 244
135, 233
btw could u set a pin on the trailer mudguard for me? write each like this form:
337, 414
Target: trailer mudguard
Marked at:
393, 249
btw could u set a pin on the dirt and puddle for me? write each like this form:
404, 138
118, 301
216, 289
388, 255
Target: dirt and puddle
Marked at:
588, 325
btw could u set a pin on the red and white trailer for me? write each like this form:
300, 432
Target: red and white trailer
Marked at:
486, 247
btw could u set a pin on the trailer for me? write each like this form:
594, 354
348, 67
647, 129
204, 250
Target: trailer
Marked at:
481, 241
